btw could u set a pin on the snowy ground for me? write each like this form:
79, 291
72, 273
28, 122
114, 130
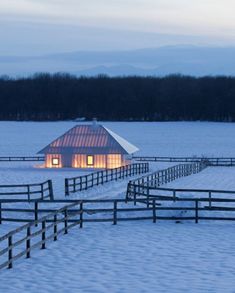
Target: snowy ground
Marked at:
134, 257
156, 138
129, 257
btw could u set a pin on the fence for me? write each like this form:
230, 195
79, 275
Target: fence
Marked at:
22, 159
77, 214
87, 181
161, 177
25, 234
211, 161
35, 191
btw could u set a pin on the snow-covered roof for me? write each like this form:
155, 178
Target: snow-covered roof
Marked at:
89, 139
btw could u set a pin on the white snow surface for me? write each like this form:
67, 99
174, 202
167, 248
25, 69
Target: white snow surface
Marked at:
131, 256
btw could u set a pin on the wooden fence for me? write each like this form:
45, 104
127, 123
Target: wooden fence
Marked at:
211, 161
77, 213
22, 159
84, 182
165, 176
35, 191
42, 230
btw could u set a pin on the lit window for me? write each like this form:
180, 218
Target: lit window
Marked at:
90, 160
55, 161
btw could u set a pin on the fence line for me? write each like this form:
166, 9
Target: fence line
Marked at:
226, 161
22, 159
161, 177
60, 221
84, 182
41, 235
35, 191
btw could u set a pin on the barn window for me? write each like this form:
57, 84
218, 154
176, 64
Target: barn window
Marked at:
90, 160
55, 161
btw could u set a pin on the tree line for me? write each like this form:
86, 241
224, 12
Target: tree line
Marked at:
171, 98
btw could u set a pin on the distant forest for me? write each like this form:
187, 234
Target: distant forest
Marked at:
171, 98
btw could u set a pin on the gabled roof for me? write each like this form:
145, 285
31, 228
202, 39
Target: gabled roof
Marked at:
89, 139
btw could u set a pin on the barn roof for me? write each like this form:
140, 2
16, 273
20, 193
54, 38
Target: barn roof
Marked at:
89, 139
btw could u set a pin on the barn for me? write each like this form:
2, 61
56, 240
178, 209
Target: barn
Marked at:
88, 146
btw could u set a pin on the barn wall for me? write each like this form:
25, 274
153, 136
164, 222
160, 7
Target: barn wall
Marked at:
114, 161
80, 161
48, 161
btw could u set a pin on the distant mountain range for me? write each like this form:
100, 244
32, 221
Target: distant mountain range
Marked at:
187, 60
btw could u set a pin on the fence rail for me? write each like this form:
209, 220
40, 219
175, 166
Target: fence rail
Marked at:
165, 176
84, 182
35, 191
18, 243
22, 159
221, 161
50, 228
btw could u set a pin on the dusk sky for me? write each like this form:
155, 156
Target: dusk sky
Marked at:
49, 26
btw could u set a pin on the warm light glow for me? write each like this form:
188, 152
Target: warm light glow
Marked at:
80, 161
55, 161
90, 160
114, 161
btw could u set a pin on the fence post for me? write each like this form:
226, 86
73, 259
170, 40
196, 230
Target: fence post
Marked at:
10, 252
28, 242
66, 185
55, 227
81, 215
196, 211
154, 211
43, 234
210, 205
147, 196
42, 192
50, 186
65, 221
28, 192
174, 195
0, 213
115, 212
36, 213
74, 185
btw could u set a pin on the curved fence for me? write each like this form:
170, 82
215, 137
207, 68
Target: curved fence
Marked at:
143, 184
31, 192
211, 161
21, 241
84, 182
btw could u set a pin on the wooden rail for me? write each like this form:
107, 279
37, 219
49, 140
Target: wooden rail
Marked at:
164, 176
22, 159
84, 182
85, 211
42, 190
144, 191
41, 231
211, 161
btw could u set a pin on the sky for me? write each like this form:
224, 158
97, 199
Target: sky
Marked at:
35, 27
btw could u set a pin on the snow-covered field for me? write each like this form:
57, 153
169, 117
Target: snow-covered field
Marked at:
129, 257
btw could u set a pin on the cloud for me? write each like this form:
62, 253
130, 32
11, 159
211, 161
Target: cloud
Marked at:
210, 20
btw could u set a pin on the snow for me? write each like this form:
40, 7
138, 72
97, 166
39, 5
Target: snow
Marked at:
136, 257
131, 256
128, 147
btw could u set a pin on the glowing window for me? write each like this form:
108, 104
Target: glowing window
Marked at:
55, 161
90, 160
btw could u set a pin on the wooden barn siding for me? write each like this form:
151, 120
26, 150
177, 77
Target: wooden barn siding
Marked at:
80, 161
48, 161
